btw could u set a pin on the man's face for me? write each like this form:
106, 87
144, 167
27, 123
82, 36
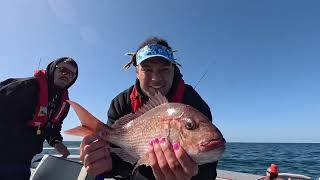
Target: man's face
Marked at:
64, 74
155, 75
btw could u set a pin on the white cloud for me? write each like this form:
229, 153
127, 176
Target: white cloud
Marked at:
89, 35
64, 11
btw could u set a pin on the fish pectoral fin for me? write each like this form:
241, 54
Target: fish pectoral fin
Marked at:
124, 155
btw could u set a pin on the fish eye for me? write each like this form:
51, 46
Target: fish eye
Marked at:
190, 124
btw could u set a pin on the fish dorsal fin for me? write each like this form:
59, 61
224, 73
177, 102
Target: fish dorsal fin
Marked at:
153, 102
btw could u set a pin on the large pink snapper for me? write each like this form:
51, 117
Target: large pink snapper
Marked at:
158, 118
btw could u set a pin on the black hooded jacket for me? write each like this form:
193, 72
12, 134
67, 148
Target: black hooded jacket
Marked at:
121, 105
18, 100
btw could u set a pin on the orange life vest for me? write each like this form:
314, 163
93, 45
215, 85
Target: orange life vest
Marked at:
136, 101
40, 118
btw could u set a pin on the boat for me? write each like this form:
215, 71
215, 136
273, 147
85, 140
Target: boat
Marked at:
52, 167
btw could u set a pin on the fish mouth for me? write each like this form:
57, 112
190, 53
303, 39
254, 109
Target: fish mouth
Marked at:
212, 144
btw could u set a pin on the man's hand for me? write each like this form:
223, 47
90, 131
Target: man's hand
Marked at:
170, 162
62, 149
95, 155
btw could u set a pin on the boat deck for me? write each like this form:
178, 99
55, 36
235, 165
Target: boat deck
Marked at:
53, 167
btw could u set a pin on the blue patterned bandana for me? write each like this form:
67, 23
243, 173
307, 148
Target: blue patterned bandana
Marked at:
154, 50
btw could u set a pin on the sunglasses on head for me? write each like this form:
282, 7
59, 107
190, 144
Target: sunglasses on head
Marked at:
66, 71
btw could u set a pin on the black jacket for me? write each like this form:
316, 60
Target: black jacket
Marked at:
121, 106
18, 99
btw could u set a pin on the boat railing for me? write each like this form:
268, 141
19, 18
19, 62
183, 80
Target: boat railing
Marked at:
292, 176
230, 174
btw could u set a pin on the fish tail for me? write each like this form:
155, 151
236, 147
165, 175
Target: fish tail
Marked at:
89, 123
79, 131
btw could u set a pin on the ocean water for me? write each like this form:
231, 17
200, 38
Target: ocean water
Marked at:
255, 158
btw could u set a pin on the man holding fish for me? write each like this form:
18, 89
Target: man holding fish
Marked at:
160, 124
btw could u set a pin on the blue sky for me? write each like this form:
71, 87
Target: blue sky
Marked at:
262, 57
